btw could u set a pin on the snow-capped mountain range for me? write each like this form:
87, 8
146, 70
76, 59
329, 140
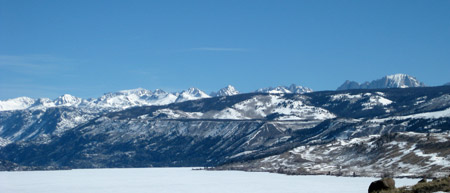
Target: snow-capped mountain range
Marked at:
110, 101
131, 98
282, 129
142, 97
390, 81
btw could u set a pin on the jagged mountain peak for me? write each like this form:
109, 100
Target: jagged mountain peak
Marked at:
402, 81
389, 81
226, 91
67, 100
191, 94
348, 85
159, 92
299, 89
195, 92
284, 89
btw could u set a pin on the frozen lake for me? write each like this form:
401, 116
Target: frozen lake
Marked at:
177, 180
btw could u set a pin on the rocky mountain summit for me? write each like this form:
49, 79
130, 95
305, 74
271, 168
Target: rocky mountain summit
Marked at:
191, 94
390, 81
227, 91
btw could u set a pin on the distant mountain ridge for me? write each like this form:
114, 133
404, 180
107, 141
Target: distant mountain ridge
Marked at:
390, 81
142, 97
109, 101
131, 98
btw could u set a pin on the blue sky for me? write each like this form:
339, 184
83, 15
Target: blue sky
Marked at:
87, 48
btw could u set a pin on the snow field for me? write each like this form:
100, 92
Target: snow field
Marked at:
178, 180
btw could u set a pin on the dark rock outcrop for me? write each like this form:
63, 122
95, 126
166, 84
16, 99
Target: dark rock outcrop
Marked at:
383, 184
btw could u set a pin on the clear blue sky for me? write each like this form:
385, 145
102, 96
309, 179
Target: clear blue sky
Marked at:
87, 48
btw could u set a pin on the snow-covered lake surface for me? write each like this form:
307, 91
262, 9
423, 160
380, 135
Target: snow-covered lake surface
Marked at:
177, 180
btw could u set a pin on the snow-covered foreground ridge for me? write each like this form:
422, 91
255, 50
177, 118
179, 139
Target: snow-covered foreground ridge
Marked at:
244, 128
177, 180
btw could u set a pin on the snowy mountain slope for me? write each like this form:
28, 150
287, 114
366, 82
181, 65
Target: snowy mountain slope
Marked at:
258, 107
115, 142
40, 125
403, 154
144, 140
227, 91
332, 149
43, 117
390, 81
